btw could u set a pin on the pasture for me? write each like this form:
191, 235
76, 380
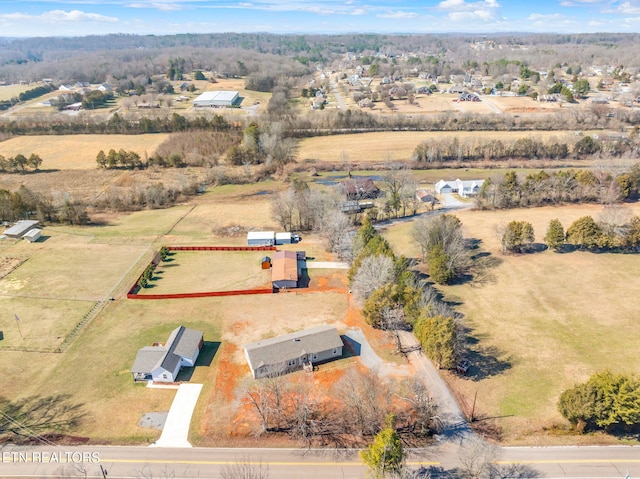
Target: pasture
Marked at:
380, 147
202, 271
540, 322
78, 152
7, 92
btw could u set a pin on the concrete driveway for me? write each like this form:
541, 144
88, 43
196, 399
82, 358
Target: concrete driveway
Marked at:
176, 428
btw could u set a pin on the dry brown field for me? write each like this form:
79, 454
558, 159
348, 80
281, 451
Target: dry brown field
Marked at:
542, 321
201, 271
399, 146
78, 152
7, 92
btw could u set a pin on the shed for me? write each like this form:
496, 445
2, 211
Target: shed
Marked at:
265, 262
19, 229
293, 351
32, 235
163, 363
261, 238
284, 270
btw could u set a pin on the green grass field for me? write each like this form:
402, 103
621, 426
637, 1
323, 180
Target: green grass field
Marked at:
542, 321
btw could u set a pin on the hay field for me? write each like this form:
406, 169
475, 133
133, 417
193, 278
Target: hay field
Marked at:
7, 92
78, 152
199, 271
399, 146
543, 321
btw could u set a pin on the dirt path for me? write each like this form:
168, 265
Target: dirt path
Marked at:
454, 424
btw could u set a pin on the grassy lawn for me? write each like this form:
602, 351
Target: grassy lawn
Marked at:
7, 92
67, 267
78, 152
196, 271
44, 323
541, 322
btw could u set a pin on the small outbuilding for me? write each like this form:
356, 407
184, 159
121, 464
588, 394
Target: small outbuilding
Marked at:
284, 270
294, 351
19, 229
32, 235
163, 363
261, 238
265, 263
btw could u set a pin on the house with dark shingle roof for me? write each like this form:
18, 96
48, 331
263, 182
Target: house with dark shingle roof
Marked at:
162, 363
293, 351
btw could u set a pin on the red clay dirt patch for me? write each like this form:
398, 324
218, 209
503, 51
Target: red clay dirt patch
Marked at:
228, 372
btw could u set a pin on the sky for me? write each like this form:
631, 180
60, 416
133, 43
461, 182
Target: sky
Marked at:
28, 18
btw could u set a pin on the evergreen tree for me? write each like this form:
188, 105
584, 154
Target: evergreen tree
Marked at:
438, 337
385, 454
584, 232
555, 234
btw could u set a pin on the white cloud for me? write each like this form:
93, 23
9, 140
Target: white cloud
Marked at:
57, 16
464, 6
462, 11
581, 3
163, 6
627, 8
399, 15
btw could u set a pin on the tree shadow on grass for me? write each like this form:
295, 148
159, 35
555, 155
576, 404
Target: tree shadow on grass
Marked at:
485, 361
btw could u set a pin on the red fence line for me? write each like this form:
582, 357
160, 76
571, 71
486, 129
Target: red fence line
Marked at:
221, 248
132, 294
205, 294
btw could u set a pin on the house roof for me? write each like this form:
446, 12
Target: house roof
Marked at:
284, 266
292, 346
217, 96
147, 358
360, 186
182, 342
21, 227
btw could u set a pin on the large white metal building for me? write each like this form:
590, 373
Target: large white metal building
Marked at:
217, 99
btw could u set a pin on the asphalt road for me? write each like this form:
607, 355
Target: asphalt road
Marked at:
144, 462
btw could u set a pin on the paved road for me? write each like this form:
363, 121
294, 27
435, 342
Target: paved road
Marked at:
336, 93
137, 462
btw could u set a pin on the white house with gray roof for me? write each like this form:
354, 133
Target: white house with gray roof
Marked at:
465, 188
162, 363
293, 351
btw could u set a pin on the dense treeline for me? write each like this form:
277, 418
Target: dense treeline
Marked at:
116, 124
606, 401
25, 203
616, 231
195, 148
567, 186
36, 92
20, 163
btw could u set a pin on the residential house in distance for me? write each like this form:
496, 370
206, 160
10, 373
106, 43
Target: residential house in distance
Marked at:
356, 188
294, 351
162, 363
284, 270
466, 188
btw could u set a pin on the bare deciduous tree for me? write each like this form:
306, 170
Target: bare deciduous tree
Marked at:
366, 401
245, 469
373, 273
